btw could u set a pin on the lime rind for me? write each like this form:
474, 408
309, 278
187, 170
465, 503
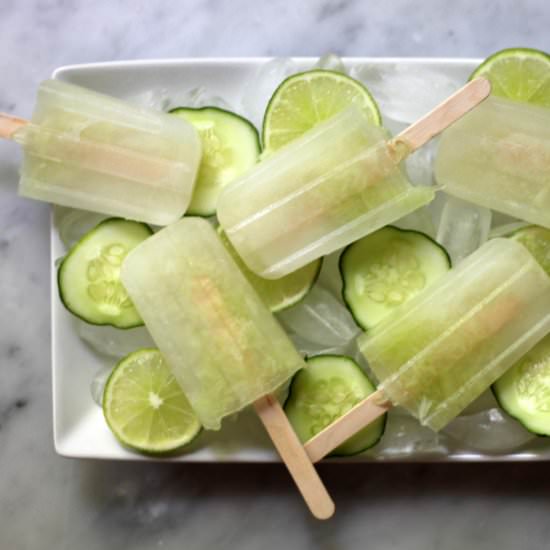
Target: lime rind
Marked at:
145, 408
520, 74
305, 99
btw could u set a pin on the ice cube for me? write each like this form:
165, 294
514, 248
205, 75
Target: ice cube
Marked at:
98, 384
330, 277
162, 100
404, 436
405, 92
309, 349
197, 98
155, 98
112, 341
331, 62
73, 224
419, 220
320, 318
463, 227
484, 402
259, 89
490, 431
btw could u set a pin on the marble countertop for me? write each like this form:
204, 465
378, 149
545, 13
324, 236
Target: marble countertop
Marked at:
50, 502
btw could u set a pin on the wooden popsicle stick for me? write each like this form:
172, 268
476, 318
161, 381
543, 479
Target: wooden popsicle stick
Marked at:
453, 108
294, 456
365, 412
10, 124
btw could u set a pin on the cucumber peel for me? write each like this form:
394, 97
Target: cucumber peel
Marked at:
88, 278
231, 146
387, 268
524, 390
324, 391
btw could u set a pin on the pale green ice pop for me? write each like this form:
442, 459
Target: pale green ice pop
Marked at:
324, 190
337, 183
225, 348
95, 152
439, 351
498, 156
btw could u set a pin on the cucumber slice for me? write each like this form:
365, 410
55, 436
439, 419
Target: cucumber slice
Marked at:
537, 240
230, 146
88, 277
524, 390
387, 268
277, 294
145, 407
319, 394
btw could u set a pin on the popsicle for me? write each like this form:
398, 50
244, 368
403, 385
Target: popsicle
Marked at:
94, 152
333, 185
224, 347
436, 353
498, 156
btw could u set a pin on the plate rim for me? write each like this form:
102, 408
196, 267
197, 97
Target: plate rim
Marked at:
61, 73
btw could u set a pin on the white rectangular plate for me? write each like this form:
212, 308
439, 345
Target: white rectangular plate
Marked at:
79, 427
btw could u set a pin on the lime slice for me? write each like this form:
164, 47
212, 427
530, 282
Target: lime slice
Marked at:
537, 240
280, 293
522, 74
305, 99
145, 407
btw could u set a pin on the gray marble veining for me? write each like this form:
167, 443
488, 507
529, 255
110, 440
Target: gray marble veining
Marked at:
49, 502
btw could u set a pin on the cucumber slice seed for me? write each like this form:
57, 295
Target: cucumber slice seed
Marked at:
387, 268
524, 390
231, 145
88, 277
324, 391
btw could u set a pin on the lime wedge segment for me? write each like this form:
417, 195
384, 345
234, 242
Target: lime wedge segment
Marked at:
145, 407
305, 99
280, 293
522, 74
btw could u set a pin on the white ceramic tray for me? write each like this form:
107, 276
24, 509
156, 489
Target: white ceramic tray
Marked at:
79, 427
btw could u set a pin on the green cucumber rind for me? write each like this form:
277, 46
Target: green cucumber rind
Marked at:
352, 362
224, 112
161, 453
517, 418
377, 121
350, 246
62, 264
209, 108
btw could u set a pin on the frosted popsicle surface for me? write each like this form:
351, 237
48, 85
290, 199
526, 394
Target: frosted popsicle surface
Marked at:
94, 152
437, 353
224, 347
498, 155
331, 186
